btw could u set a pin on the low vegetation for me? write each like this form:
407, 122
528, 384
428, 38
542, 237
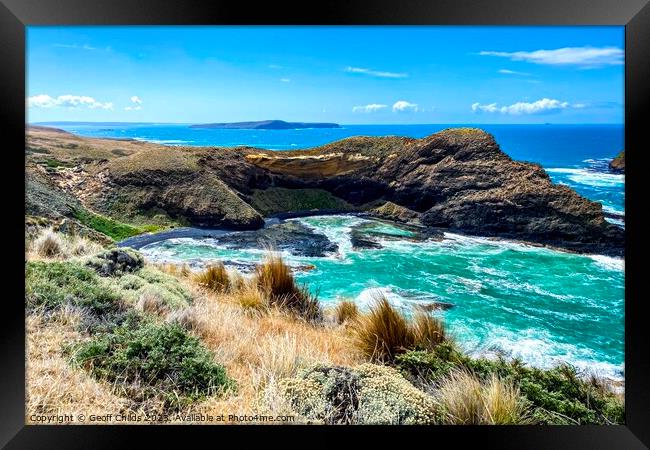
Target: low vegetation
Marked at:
277, 200
214, 277
384, 332
109, 333
152, 360
275, 279
346, 311
111, 227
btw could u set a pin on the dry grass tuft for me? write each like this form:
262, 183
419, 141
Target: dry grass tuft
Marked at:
428, 331
250, 297
214, 277
152, 303
50, 244
467, 400
384, 332
177, 270
259, 350
345, 312
275, 280
53, 386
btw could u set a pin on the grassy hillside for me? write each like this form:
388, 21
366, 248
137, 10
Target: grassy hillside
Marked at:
109, 333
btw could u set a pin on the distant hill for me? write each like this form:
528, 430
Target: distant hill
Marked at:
267, 125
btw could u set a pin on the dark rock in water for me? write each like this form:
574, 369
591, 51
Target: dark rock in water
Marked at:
618, 164
249, 267
293, 237
391, 211
116, 261
366, 235
360, 240
434, 306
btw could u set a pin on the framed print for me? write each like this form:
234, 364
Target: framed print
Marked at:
412, 218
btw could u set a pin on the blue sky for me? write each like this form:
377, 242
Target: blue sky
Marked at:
349, 75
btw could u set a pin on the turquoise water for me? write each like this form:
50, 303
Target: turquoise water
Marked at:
541, 305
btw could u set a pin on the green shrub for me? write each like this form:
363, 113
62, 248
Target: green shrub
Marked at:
556, 396
151, 360
150, 285
51, 284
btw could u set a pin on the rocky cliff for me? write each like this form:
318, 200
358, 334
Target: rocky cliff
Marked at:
618, 164
457, 179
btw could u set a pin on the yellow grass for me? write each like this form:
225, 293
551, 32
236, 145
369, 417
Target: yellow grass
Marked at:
259, 350
470, 401
54, 387
346, 311
49, 244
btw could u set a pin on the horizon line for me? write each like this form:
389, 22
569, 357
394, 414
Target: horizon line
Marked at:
352, 124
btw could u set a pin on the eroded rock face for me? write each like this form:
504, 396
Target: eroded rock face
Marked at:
457, 179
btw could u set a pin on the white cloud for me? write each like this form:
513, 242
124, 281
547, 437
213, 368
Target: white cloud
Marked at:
376, 73
403, 105
512, 72
133, 108
543, 106
137, 100
580, 56
285, 80
66, 101
369, 108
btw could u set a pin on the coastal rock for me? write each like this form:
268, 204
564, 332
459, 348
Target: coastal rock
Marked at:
289, 236
396, 213
434, 306
360, 240
457, 179
618, 164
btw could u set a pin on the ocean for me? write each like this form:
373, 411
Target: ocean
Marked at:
543, 306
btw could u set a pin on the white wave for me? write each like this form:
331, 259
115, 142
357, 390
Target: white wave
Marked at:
538, 349
608, 262
338, 234
590, 177
163, 141
369, 295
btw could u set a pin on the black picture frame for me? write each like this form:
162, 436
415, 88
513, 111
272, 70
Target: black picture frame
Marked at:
15, 15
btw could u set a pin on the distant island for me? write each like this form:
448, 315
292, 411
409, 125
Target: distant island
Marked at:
267, 125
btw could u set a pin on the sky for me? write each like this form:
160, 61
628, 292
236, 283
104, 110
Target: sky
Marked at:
347, 75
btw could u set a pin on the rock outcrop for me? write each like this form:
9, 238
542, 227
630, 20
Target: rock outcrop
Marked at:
618, 164
457, 179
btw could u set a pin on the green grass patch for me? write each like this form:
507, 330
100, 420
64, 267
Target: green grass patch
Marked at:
51, 163
152, 360
51, 284
110, 227
275, 200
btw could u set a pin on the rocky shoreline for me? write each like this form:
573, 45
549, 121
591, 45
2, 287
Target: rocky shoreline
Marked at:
457, 180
